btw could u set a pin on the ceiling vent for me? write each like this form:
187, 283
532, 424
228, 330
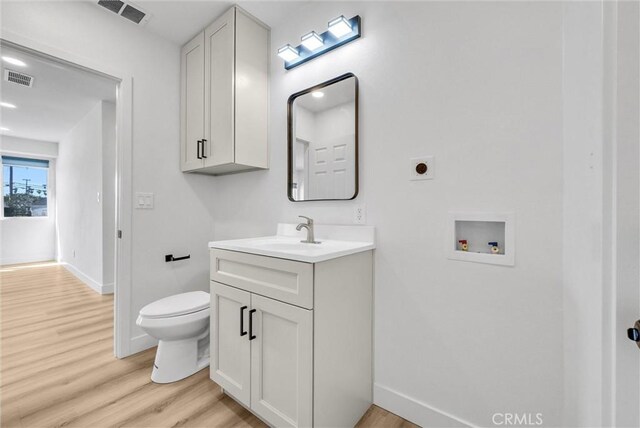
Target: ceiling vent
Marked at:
126, 10
18, 78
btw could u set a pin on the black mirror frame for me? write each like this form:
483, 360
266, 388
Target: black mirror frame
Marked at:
290, 136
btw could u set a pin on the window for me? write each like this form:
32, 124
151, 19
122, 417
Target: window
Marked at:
25, 186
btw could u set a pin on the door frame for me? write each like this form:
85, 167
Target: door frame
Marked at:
122, 319
621, 281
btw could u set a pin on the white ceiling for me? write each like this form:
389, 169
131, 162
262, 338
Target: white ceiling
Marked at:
61, 95
180, 21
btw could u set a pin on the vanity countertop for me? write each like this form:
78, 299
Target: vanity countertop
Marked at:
335, 241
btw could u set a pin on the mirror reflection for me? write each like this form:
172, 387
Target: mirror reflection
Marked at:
323, 139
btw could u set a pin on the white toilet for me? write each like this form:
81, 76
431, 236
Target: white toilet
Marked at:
181, 324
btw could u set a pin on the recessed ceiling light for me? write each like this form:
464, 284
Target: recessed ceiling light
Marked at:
288, 53
340, 26
2, 128
7, 105
14, 61
317, 94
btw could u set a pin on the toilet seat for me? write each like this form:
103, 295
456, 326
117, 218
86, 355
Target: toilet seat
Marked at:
176, 305
173, 322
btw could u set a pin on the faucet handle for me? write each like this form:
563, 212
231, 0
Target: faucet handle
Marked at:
309, 220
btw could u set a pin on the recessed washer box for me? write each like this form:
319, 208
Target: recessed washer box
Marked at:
478, 230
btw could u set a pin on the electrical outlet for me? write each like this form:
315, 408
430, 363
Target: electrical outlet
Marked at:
360, 214
422, 168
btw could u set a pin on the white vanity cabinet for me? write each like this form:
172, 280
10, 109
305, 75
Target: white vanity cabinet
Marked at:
291, 340
224, 96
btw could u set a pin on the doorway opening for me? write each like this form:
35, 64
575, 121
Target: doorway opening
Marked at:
66, 156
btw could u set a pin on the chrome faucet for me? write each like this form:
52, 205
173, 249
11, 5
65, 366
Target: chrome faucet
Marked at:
309, 226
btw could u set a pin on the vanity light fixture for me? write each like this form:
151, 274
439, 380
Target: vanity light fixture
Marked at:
317, 94
14, 61
341, 31
340, 26
288, 53
312, 41
7, 105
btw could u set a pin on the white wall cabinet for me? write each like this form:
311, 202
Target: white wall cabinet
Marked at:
224, 96
294, 362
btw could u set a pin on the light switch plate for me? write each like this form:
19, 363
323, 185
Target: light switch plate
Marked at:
144, 201
430, 173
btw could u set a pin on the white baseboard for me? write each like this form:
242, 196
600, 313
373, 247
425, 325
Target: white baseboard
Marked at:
141, 343
27, 259
414, 410
92, 283
108, 288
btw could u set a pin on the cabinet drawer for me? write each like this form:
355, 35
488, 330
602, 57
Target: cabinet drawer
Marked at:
284, 280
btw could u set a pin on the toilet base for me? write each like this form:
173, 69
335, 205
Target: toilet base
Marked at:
178, 359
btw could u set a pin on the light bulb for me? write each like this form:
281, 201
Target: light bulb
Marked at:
288, 53
312, 41
339, 26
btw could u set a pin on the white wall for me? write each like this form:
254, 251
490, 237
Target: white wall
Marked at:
25, 240
583, 209
80, 203
24, 146
182, 221
478, 85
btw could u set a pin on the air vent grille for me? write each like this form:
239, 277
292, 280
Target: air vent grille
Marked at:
112, 5
132, 14
126, 10
18, 78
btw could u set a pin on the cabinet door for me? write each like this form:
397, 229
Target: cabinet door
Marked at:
192, 103
219, 90
281, 363
230, 348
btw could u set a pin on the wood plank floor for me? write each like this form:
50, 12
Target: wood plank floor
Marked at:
58, 369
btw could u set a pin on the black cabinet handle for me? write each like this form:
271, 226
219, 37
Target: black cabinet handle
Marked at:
198, 149
242, 332
203, 155
251, 335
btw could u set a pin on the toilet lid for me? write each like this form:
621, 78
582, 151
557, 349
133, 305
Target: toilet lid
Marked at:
178, 304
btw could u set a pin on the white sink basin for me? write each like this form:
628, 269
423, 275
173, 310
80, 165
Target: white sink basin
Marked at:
287, 245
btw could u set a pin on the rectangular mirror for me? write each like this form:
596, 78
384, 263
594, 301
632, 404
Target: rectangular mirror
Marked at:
323, 141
